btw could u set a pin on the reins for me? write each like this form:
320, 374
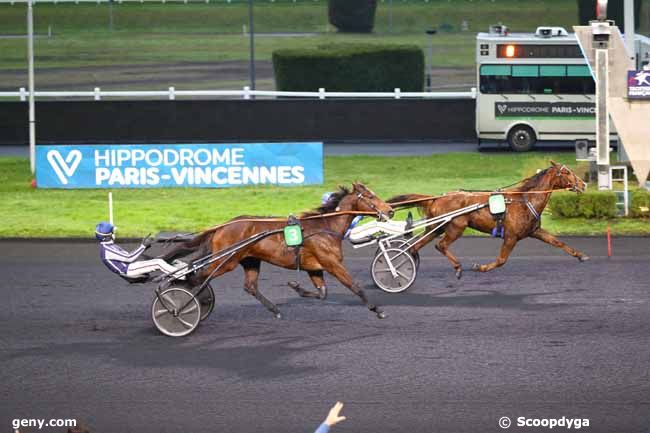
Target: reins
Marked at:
275, 219
435, 197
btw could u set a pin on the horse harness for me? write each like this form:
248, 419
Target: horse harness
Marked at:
499, 216
293, 221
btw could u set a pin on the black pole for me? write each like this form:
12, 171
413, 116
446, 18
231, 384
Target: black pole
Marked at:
110, 16
251, 32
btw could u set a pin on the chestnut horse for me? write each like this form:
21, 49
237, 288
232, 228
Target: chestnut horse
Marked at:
525, 203
323, 231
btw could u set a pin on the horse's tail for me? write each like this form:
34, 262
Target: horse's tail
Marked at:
199, 241
420, 201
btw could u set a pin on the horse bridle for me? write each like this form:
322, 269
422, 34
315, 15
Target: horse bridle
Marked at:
574, 185
366, 200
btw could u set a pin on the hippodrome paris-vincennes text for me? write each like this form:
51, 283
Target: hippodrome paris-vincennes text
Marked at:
187, 166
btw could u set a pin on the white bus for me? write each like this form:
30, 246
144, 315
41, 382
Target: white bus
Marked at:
535, 86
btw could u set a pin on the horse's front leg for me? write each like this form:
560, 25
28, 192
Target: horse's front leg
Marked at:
548, 238
507, 247
337, 269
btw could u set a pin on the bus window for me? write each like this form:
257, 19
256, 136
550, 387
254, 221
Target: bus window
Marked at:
536, 79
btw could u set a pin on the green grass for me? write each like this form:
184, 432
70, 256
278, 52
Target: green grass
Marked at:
155, 33
50, 213
304, 16
105, 49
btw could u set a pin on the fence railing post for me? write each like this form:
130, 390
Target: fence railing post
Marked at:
247, 92
398, 92
321, 93
172, 93
98, 95
23, 94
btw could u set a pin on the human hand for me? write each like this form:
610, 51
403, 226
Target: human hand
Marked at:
147, 241
333, 416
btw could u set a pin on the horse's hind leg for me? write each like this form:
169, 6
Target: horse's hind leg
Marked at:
453, 231
545, 236
507, 247
251, 273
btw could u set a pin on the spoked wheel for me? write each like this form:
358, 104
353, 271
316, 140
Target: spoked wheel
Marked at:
400, 244
206, 299
178, 315
405, 270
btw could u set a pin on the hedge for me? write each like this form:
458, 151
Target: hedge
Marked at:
596, 204
640, 199
615, 12
352, 16
350, 68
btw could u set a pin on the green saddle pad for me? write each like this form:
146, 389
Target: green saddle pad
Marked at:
293, 235
497, 203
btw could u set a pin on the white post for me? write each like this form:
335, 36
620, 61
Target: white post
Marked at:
172, 93
110, 207
247, 92
23, 94
602, 118
321, 93
397, 93
32, 108
629, 30
98, 95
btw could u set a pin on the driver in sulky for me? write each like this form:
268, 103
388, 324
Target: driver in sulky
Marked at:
125, 263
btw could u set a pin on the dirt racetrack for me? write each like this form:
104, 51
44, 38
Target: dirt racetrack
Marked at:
543, 337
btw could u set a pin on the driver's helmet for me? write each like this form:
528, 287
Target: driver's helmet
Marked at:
325, 198
104, 232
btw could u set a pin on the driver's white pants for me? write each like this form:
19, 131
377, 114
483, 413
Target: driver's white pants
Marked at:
143, 267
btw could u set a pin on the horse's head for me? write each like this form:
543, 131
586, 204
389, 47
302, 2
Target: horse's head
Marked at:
367, 201
566, 178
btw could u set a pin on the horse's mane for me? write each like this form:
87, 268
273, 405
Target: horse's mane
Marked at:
532, 181
331, 204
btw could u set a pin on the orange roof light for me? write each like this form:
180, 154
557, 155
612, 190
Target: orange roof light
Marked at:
510, 51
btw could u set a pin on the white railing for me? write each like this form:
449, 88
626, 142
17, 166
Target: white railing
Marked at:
246, 93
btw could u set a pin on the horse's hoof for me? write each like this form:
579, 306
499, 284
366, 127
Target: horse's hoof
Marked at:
294, 285
583, 258
381, 315
459, 273
476, 267
322, 294
278, 316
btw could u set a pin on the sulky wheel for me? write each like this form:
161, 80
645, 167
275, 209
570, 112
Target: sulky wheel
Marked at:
178, 314
206, 299
401, 244
405, 269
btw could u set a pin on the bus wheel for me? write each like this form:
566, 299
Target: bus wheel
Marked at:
521, 138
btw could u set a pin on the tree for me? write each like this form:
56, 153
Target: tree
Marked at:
352, 16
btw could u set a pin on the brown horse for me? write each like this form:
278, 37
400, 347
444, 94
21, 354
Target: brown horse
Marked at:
323, 231
526, 202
